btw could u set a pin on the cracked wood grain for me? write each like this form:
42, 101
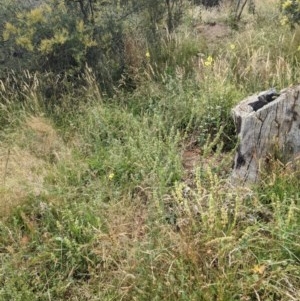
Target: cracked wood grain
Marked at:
276, 125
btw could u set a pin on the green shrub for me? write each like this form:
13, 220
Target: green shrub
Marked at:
64, 36
127, 151
57, 240
56, 39
291, 12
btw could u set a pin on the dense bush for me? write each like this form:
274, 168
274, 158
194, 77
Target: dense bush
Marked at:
64, 36
291, 12
207, 3
55, 38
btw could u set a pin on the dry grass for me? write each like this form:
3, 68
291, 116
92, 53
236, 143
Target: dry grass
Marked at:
21, 174
26, 160
42, 138
266, 4
131, 224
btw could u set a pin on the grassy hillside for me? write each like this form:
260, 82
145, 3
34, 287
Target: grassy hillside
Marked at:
125, 195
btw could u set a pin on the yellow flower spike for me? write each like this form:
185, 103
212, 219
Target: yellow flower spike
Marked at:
147, 54
111, 176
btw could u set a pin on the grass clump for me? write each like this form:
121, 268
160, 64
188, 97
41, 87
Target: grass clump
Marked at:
97, 202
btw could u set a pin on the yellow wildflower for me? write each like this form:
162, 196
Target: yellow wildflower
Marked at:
232, 46
287, 4
111, 176
259, 269
208, 61
147, 54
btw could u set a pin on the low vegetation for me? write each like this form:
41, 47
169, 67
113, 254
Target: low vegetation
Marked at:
114, 173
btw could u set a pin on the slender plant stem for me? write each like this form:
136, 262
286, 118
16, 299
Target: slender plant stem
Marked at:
6, 166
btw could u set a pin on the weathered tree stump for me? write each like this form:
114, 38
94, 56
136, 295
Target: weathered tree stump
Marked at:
266, 122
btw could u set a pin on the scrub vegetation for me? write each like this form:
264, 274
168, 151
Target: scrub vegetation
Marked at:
116, 146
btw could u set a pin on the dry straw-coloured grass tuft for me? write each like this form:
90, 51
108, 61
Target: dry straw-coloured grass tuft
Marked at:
21, 173
25, 162
44, 140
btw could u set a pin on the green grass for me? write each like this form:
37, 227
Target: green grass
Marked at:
97, 205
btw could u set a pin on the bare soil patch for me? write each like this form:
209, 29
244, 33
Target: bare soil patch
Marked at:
213, 32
